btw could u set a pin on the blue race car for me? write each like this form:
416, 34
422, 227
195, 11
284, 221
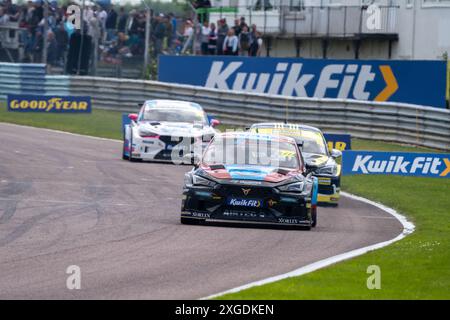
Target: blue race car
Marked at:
249, 178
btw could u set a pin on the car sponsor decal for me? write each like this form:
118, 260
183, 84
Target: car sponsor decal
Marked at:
241, 202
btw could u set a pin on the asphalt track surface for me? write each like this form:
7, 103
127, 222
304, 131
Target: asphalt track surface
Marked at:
70, 200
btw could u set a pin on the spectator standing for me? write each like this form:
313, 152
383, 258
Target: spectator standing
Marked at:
255, 48
237, 27
205, 32
123, 17
52, 49
230, 44
172, 37
245, 40
133, 23
212, 43
4, 18
12, 11
222, 31
111, 23
62, 40
102, 15
159, 34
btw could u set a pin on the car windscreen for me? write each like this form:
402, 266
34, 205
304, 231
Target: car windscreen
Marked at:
312, 141
252, 151
174, 115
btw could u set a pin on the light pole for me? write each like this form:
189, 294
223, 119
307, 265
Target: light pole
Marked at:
147, 38
44, 34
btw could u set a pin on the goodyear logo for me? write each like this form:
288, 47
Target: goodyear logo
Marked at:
397, 163
49, 104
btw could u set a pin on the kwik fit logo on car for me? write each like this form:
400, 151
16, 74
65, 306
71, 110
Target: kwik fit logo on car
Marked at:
418, 82
244, 202
396, 163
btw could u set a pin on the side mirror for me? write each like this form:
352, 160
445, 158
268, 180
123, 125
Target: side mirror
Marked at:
310, 166
214, 122
335, 153
133, 116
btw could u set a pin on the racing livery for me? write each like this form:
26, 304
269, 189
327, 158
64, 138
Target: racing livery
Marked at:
167, 130
317, 156
250, 178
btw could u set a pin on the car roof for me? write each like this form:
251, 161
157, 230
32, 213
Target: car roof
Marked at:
256, 136
166, 103
283, 125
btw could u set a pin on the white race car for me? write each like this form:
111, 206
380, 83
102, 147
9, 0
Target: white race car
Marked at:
168, 130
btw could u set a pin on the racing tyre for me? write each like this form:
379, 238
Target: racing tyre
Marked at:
190, 221
314, 217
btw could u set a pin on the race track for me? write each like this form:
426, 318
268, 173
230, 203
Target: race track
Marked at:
70, 200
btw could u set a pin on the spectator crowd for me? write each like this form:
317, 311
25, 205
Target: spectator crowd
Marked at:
119, 33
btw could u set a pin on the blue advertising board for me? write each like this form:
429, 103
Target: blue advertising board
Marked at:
416, 82
338, 141
396, 163
49, 104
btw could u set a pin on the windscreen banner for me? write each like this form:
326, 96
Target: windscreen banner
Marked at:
415, 82
49, 104
396, 163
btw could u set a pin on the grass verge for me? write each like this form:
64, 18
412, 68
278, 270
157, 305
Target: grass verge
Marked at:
415, 268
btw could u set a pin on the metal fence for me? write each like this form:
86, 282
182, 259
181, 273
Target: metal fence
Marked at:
300, 21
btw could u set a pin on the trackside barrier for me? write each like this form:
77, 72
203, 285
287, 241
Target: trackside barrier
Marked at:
401, 123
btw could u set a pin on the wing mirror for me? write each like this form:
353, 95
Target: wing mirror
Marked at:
310, 166
214, 122
133, 116
335, 153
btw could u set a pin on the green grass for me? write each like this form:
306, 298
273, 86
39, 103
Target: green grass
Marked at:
100, 123
417, 267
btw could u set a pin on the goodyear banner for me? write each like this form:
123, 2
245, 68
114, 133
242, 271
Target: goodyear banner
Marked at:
53, 104
338, 141
416, 82
396, 163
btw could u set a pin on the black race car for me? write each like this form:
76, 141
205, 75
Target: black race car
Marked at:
253, 179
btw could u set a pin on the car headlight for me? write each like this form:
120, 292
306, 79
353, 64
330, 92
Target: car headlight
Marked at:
329, 170
200, 181
292, 187
187, 179
146, 133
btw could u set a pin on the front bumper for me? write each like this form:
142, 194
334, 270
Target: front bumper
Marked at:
270, 206
177, 150
329, 189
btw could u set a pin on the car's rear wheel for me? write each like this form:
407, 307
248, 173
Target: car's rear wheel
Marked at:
313, 217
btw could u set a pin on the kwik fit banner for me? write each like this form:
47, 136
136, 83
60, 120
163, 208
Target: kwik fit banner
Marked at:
53, 104
416, 82
396, 163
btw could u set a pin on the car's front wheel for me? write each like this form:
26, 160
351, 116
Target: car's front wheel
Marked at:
190, 221
314, 216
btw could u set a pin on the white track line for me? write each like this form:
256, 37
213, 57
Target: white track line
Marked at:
408, 228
